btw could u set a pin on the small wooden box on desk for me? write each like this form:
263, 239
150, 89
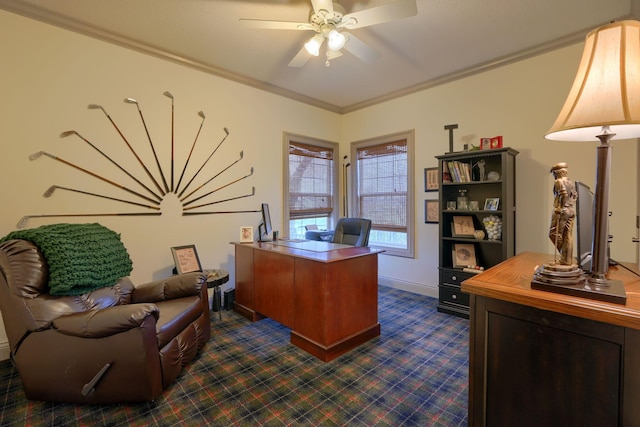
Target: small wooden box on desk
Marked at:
541, 358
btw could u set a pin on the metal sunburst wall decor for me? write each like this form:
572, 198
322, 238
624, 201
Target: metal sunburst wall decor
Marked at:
149, 195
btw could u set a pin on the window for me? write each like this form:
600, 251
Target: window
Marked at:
383, 188
310, 183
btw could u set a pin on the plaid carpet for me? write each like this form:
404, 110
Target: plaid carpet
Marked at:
414, 374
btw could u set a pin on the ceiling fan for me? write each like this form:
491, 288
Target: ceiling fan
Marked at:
328, 20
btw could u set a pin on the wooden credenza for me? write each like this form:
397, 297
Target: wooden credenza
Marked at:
541, 358
327, 294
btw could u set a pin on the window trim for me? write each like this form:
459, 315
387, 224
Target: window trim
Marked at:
409, 136
287, 138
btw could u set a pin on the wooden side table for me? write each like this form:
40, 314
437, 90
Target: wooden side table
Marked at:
216, 278
537, 357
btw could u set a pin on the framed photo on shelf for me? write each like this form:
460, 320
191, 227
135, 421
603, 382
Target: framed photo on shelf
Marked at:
186, 259
492, 204
491, 143
431, 211
462, 226
464, 255
246, 234
431, 182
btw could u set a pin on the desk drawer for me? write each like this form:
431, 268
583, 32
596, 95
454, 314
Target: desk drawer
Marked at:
453, 295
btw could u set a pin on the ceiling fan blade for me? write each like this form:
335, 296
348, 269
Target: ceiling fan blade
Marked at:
379, 14
275, 25
333, 54
319, 5
360, 49
301, 58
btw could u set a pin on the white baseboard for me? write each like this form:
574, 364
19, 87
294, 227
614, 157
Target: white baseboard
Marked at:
416, 288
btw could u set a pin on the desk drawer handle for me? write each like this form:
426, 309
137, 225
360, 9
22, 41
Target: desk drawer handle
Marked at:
454, 278
454, 296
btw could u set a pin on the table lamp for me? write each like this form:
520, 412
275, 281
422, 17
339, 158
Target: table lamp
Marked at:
604, 102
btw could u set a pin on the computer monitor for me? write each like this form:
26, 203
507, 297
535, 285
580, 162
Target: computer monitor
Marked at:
265, 229
584, 223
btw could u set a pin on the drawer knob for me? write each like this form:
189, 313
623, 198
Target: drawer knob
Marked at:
454, 277
454, 296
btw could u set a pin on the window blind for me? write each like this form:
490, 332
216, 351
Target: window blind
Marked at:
382, 185
310, 180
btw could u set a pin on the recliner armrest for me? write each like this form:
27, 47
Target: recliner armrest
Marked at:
182, 285
105, 322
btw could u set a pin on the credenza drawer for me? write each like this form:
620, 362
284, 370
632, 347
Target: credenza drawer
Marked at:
454, 277
453, 295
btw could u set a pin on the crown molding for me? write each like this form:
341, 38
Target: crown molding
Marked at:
60, 21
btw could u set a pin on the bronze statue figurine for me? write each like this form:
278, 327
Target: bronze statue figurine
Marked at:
564, 212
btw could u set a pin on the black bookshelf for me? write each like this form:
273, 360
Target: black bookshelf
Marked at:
460, 174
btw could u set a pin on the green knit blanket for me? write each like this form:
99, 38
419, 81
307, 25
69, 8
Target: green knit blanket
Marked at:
81, 257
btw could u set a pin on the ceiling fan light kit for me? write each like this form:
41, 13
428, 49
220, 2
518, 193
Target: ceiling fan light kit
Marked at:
313, 45
336, 40
328, 19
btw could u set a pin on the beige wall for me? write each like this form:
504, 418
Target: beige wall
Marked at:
520, 102
50, 75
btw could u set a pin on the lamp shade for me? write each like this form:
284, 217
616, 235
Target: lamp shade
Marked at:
606, 90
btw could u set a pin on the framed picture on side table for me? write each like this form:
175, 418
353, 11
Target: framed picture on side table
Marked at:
186, 259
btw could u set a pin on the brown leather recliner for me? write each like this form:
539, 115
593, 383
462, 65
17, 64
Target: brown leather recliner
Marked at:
115, 344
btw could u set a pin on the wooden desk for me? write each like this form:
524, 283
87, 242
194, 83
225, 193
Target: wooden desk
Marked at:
540, 358
327, 294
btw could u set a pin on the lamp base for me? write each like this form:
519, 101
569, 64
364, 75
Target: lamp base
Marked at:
570, 280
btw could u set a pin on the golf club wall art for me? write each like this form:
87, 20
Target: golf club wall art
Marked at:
147, 184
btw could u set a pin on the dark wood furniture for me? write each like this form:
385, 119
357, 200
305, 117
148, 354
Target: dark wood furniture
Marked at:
327, 296
215, 278
541, 358
500, 161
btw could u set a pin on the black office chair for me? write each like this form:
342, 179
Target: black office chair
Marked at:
313, 233
352, 231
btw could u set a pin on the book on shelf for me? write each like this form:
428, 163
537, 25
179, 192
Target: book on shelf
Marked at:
446, 175
459, 171
456, 166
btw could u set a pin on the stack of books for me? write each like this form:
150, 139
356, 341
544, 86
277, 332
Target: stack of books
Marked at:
455, 171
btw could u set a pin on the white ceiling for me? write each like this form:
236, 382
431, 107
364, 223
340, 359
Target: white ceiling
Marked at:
446, 40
